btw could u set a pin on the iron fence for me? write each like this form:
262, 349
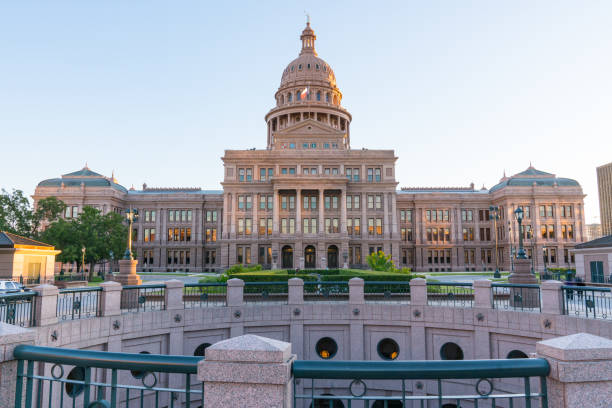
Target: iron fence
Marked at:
135, 298
356, 381
68, 377
456, 294
18, 308
78, 303
204, 295
319, 291
513, 296
383, 292
266, 292
587, 301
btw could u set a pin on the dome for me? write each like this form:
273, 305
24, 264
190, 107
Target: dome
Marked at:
308, 68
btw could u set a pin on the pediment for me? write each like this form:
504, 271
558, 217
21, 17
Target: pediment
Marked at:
310, 127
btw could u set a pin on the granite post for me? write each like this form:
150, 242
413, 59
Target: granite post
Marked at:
10, 337
356, 295
418, 292
580, 370
173, 295
235, 292
247, 371
483, 295
552, 297
46, 305
110, 301
296, 291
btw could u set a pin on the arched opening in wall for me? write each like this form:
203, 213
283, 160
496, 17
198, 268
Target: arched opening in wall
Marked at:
327, 403
327, 97
287, 257
390, 404
449, 406
388, 349
332, 256
516, 354
140, 374
289, 97
282, 99
319, 96
326, 348
310, 256
201, 349
76, 374
451, 351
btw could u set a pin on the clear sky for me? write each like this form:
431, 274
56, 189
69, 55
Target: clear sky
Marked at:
156, 90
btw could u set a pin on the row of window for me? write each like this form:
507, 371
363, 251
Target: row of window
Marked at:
179, 257
310, 202
374, 174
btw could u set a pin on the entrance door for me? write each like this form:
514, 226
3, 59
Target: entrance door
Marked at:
287, 257
310, 257
332, 256
597, 272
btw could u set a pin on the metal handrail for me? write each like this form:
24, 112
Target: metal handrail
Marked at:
87, 289
593, 288
449, 283
515, 285
150, 286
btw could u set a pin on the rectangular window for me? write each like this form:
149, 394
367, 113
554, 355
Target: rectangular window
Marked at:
262, 202
291, 202
240, 174
240, 225
378, 202
370, 175
428, 215
349, 202
284, 202
335, 202
313, 225
313, 203
370, 226
335, 226
270, 202
249, 202
542, 211
269, 226
543, 231
377, 174
207, 235
292, 225
241, 202
306, 226
551, 231
248, 226
208, 216
189, 215
355, 174
445, 212
283, 226
249, 174
370, 202
357, 225
68, 213
171, 215
239, 255
563, 230
447, 235
305, 202
327, 202
170, 234
328, 225
349, 174
349, 226
549, 211
270, 173
379, 227
570, 231
262, 226
188, 234
356, 202
262, 174
291, 170
306, 171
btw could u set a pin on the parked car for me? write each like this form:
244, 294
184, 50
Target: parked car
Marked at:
7, 286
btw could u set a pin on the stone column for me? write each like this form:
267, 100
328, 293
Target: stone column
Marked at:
581, 370
418, 292
296, 291
173, 295
110, 299
127, 272
552, 297
46, 305
483, 295
275, 214
343, 232
386, 222
10, 337
225, 216
248, 371
235, 292
298, 211
322, 212
356, 295
233, 214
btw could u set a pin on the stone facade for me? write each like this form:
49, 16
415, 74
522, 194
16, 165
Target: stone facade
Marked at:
310, 201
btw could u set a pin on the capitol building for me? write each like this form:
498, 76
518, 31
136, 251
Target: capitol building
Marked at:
308, 200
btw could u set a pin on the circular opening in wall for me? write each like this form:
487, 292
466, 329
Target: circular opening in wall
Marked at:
451, 351
76, 374
388, 349
326, 348
140, 374
390, 404
516, 354
201, 349
327, 403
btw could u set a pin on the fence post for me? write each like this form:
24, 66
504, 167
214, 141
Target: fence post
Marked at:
173, 295
110, 302
46, 305
235, 292
483, 294
10, 337
356, 296
247, 371
418, 292
296, 291
552, 297
581, 374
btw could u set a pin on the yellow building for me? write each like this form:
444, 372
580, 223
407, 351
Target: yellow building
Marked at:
26, 260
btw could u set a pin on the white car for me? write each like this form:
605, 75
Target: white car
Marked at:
7, 286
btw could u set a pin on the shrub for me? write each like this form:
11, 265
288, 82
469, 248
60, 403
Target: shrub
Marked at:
378, 261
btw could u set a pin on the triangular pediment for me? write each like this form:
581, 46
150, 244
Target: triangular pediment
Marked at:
310, 127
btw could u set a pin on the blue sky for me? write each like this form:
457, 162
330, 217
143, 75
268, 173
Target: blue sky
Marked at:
156, 90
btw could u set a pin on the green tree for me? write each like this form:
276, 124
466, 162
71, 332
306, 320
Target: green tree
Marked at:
378, 261
47, 210
98, 234
18, 217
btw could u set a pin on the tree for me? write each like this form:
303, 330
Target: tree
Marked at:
98, 234
378, 261
48, 210
17, 216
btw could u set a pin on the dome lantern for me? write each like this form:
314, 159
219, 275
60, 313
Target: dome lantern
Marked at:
308, 38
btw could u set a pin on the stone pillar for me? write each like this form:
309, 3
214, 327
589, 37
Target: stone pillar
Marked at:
235, 292
296, 291
10, 337
248, 371
275, 215
418, 292
343, 232
173, 295
483, 295
523, 297
386, 222
298, 212
111, 299
552, 297
46, 305
581, 370
322, 212
127, 272
356, 295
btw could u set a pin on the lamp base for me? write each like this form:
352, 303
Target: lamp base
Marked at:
127, 273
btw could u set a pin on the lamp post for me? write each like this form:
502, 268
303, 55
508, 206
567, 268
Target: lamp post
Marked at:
522, 297
112, 258
131, 215
494, 215
83, 260
545, 256
518, 213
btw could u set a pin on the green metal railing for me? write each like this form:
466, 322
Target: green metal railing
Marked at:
266, 292
457, 294
587, 301
18, 308
387, 292
514, 296
78, 303
204, 295
99, 379
361, 385
136, 298
326, 291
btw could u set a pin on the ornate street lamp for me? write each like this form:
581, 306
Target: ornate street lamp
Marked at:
131, 215
518, 213
83, 260
494, 215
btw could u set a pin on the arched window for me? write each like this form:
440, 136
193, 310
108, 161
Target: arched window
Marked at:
319, 96
451, 351
289, 96
327, 97
297, 95
201, 349
282, 99
516, 354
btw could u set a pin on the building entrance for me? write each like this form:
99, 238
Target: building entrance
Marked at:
332, 256
310, 257
287, 257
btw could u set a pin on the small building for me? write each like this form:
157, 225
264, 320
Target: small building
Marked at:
26, 260
594, 260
